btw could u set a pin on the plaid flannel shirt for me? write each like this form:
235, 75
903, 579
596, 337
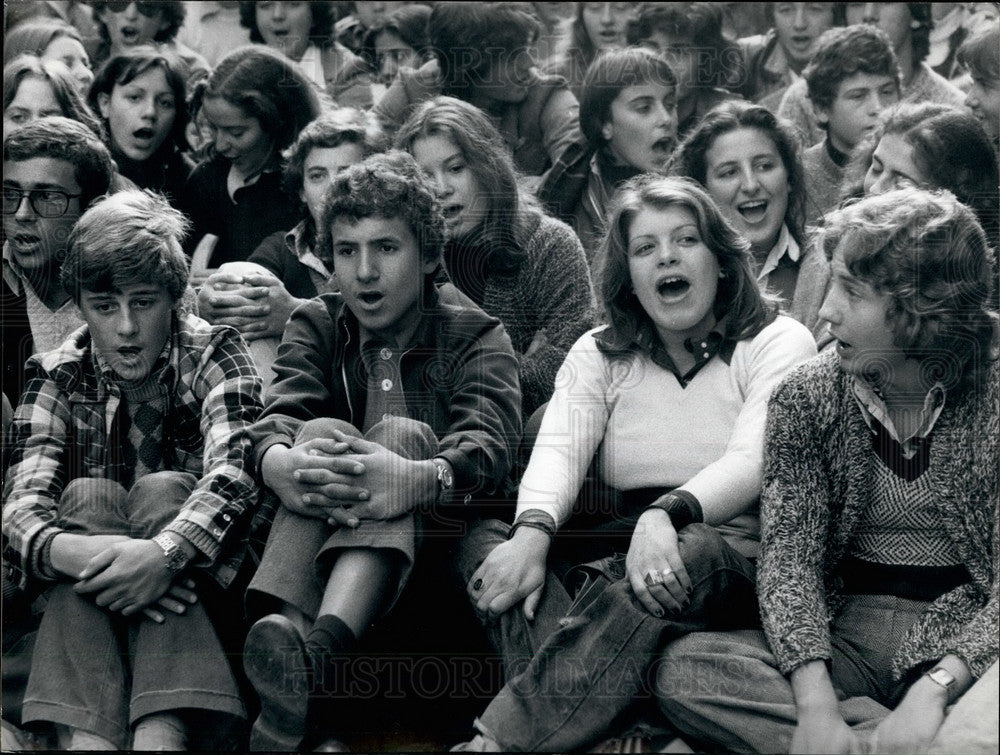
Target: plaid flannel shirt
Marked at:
61, 428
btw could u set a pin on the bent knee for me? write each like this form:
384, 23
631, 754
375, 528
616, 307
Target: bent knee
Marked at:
483, 536
407, 437
325, 427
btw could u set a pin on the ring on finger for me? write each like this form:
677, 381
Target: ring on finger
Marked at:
477, 585
653, 577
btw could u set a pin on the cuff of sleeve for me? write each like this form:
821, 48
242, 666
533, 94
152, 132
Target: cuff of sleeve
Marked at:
682, 507
41, 554
536, 519
208, 547
265, 445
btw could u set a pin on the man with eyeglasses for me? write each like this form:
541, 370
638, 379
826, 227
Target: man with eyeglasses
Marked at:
52, 170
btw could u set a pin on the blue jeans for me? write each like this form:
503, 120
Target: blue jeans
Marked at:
102, 672
574, 670
726, 689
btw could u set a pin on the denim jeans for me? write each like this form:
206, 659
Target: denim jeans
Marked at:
574, 670
102, 672
726, 689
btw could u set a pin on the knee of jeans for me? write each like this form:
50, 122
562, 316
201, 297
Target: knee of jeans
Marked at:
701, 543
407, 437
324, 427
678, 671
92, 501
483, 536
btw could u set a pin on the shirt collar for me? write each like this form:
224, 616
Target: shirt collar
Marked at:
873, 409
295, 241
164, 368
786, 245
703, 349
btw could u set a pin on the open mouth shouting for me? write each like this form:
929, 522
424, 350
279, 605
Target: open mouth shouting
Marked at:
672, 288
370, 299
452, 212
753, 212
130, 35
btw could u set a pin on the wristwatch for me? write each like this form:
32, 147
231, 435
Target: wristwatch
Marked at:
176, 557
943, 678
445, 477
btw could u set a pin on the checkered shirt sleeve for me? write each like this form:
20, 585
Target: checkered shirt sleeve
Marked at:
221, 384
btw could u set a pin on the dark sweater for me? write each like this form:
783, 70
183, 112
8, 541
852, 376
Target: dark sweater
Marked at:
259, 210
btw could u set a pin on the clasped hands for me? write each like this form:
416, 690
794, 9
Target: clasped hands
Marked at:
123, 574
343, 479
247, 297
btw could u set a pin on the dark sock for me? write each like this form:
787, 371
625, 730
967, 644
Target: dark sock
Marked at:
328, 646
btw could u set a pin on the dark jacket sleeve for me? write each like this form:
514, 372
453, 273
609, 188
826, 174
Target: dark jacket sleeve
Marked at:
485, 409
304, 371
271, 254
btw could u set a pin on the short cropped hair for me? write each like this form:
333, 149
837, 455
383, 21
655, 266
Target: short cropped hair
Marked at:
701, 25
607, 76
468, 37
121, 69
738, 297
690, 157
928, 253
64, 139
343, 125
842, 52
130, 237
173, 13
63, 88
320, 31
388, 185
981, 53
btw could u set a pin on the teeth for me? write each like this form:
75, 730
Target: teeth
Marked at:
753, 205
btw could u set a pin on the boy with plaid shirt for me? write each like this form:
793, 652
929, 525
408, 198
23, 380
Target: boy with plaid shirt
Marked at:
129, 479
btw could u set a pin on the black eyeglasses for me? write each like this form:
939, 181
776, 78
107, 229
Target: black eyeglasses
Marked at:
47, 203
148, 9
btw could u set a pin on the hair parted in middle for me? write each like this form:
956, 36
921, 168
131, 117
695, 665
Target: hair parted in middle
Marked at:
690, 158
132, 236
739, 298
489, 160
268, 87
386, 185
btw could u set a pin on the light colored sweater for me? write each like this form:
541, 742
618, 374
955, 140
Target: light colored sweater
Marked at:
648, 431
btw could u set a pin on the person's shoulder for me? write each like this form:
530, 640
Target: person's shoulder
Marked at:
459, 314
64, 365
816, 380
539, 233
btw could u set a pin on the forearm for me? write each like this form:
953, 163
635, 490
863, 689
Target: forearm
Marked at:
813, 690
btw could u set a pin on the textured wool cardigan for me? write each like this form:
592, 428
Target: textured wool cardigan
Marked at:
819, 472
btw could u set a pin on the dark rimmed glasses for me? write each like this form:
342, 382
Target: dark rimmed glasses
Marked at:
47, 203
148, 9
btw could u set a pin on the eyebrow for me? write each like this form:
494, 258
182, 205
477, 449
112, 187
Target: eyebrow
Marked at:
36, 186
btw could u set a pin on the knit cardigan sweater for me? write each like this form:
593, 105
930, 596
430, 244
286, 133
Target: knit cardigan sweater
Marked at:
549, 294
819, 470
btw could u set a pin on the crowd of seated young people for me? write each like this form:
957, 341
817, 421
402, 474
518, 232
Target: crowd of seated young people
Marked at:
345, 335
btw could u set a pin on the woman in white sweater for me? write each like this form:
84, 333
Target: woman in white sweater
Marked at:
644, 479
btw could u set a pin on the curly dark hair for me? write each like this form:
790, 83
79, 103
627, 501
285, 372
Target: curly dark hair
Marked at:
842, 52
701, 25
689, 159
387, 185
321, 30
928, 253
738, 297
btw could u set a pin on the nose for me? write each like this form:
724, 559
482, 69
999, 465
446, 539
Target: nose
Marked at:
148, 108
830, 309
387, 69
669, 254
799, 20
367, 269
870, 14
441, 185
127, 325
974, 97
277, 10
879, 184
664, 116
131, 10
749, 182
222, 142
606, 14
24, 210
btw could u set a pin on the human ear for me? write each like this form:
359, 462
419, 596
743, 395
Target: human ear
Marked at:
607, 131
104, 104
